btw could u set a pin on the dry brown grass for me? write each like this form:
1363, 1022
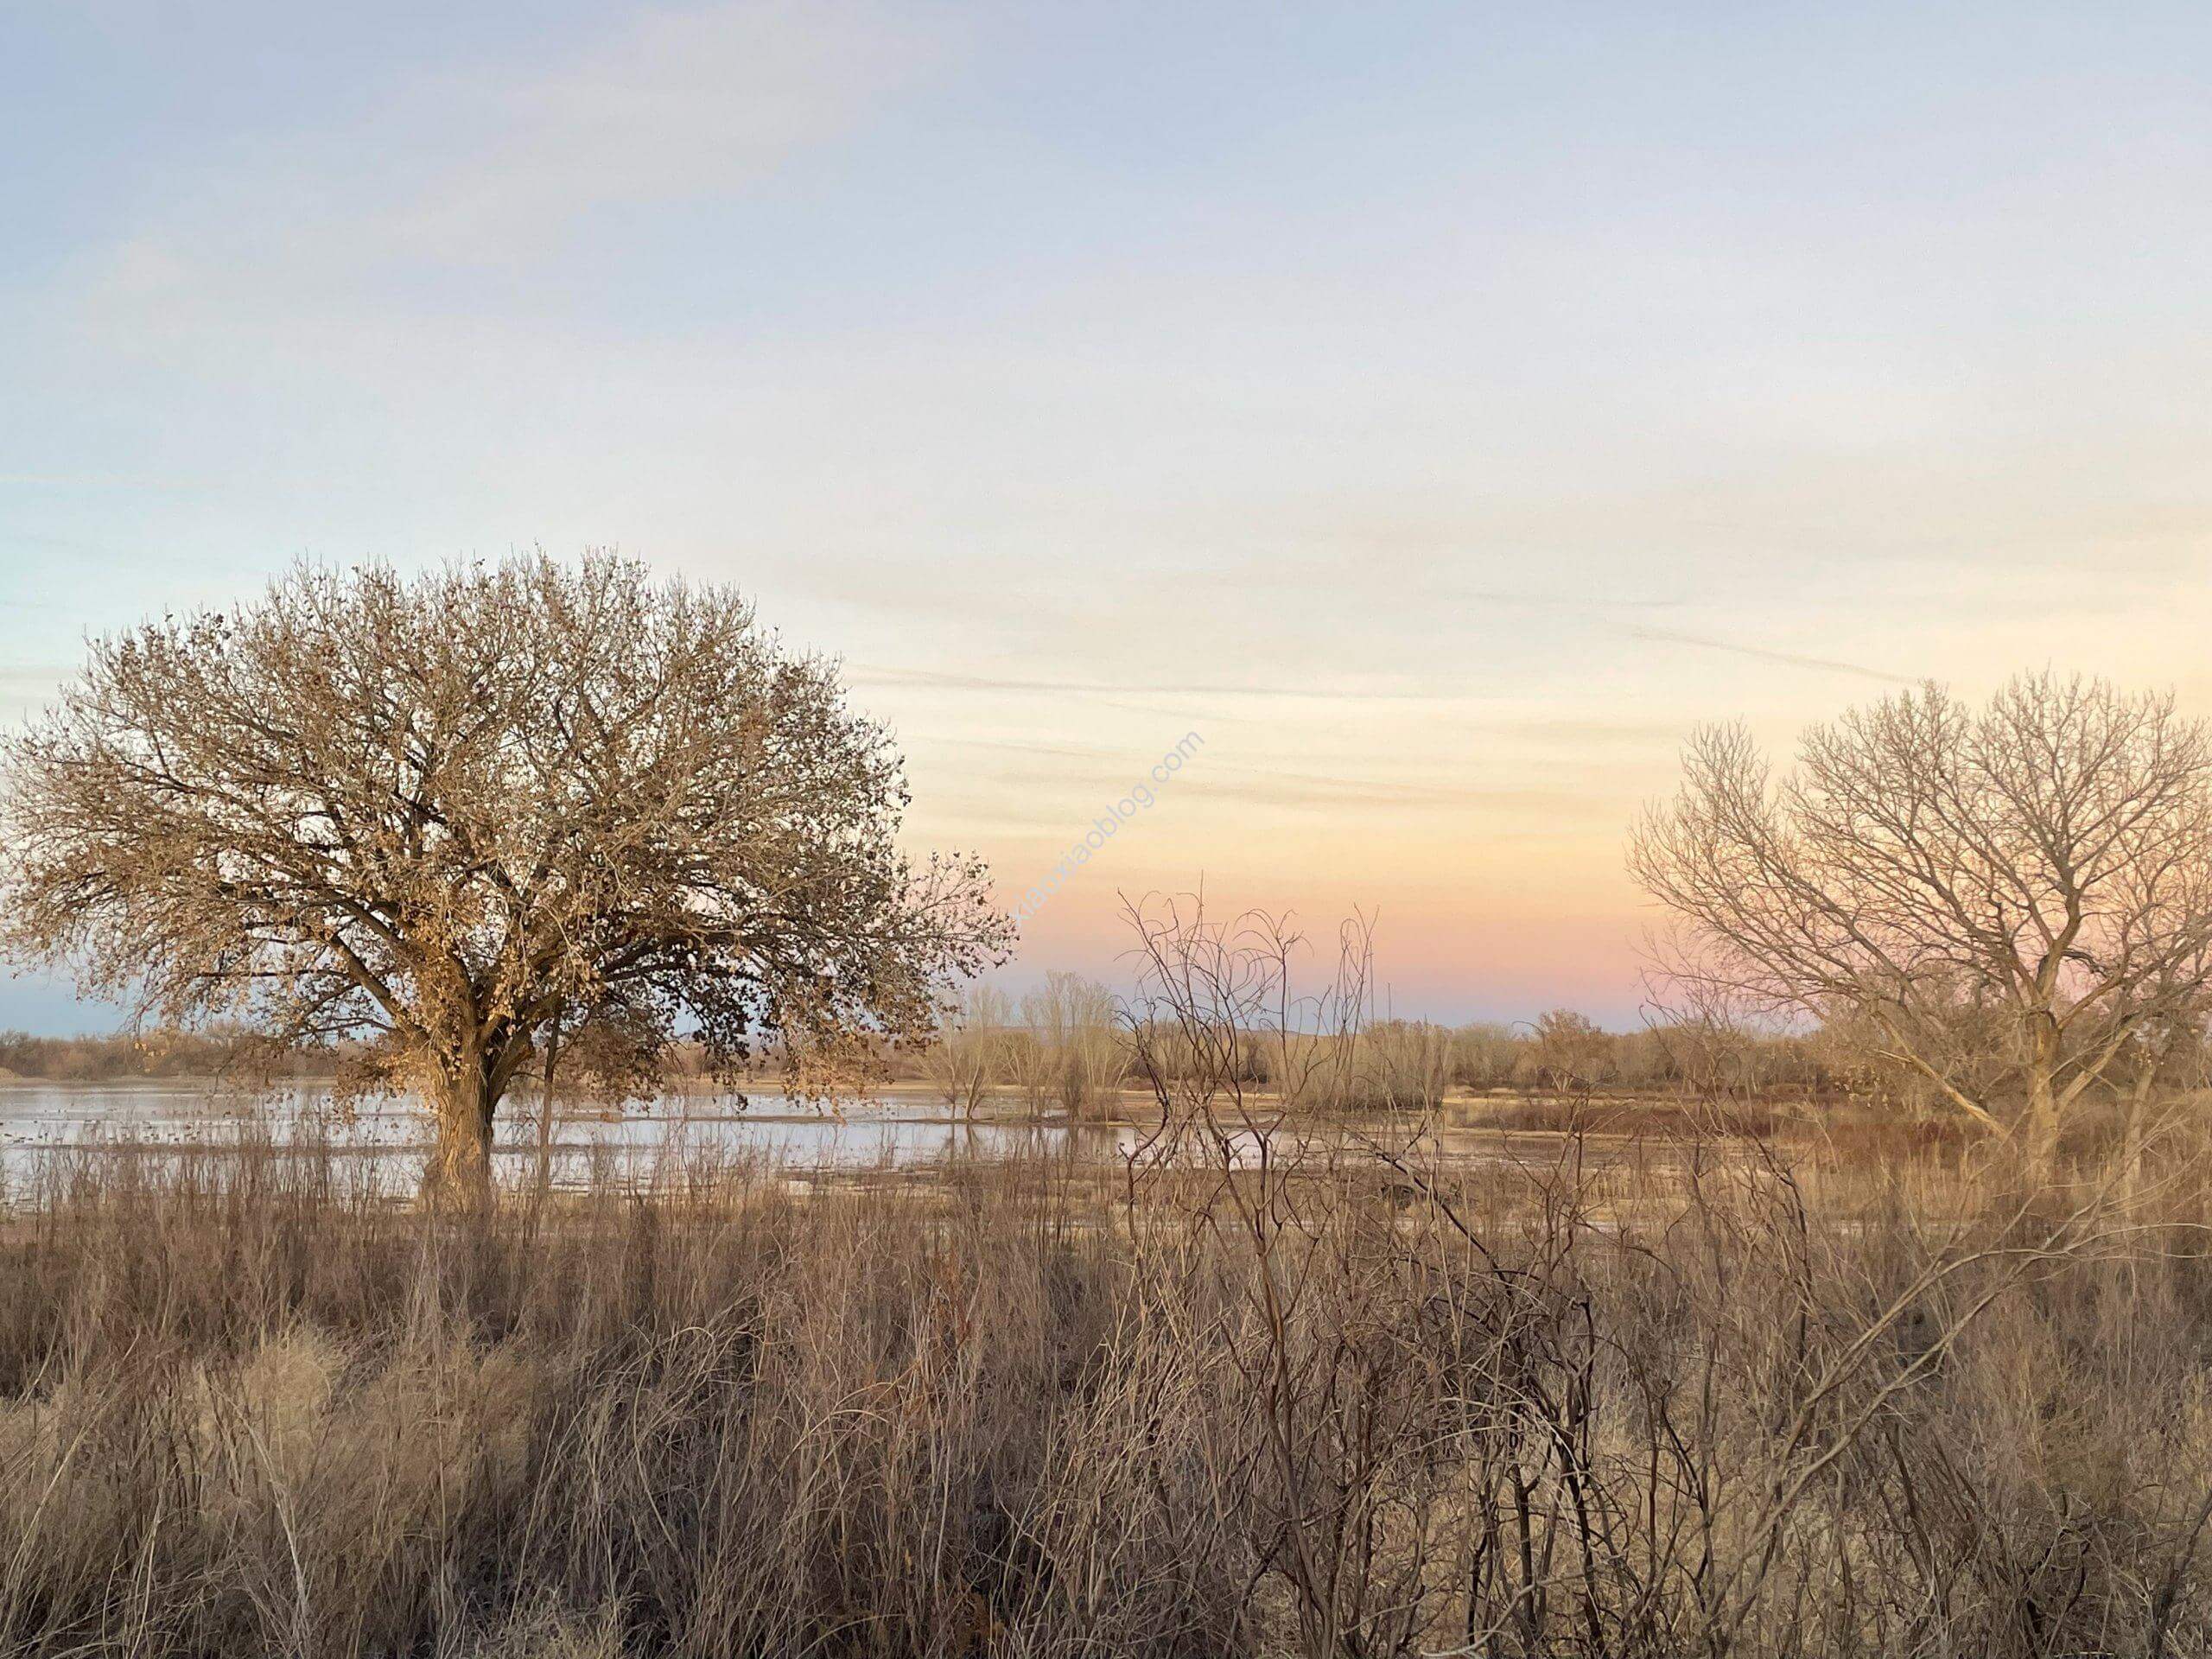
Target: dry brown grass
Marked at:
1651, 1398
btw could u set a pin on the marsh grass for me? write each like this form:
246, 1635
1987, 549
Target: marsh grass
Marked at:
1671, 1394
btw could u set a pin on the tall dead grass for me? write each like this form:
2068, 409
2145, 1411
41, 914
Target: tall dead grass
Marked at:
1258, 1397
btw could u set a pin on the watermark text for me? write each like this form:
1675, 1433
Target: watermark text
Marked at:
1141, 797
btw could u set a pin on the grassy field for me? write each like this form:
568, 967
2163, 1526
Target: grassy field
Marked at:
1671, 1393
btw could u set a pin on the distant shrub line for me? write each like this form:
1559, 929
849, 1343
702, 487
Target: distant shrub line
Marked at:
123, 1055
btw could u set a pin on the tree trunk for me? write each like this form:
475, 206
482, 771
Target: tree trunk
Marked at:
460, 1168
2135, 1132
2042, 1137
545, 1111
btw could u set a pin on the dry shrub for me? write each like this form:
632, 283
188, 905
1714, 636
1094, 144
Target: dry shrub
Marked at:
966, 1052
1640, 1396
1402, 1065
1073, 1056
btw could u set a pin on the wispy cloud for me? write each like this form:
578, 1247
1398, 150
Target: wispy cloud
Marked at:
867, 674
684, 104
1669, 636
1273, 785
86, 481
1065, 752
493, 165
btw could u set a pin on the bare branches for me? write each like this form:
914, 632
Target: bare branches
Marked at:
2007, 895
440, 809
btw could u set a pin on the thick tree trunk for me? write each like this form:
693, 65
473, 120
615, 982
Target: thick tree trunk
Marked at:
460, 1167
2041, 1144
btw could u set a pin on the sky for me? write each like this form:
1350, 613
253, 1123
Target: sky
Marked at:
1438, 409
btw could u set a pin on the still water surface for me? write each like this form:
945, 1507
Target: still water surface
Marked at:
393, 1136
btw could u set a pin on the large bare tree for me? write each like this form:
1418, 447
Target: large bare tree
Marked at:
2013, 898
449, 813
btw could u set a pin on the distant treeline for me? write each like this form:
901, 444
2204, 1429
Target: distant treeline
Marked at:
165, 1052
1065, 1048
1068, 1044
1072, 1043
161, 1052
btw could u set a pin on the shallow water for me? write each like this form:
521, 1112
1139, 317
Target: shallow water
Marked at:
385, 1143
392, 1137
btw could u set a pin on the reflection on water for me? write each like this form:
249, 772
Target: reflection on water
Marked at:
394, 1135
384, 1143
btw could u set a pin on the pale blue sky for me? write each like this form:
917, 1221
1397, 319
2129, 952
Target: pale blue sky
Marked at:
1440, 407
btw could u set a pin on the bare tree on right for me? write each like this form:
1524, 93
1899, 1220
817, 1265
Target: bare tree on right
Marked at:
2015, 898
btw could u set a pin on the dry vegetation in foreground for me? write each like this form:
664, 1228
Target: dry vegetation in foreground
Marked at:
1722, 1369
1648, 1400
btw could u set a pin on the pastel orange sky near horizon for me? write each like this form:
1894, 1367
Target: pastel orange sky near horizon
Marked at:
1438, 409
